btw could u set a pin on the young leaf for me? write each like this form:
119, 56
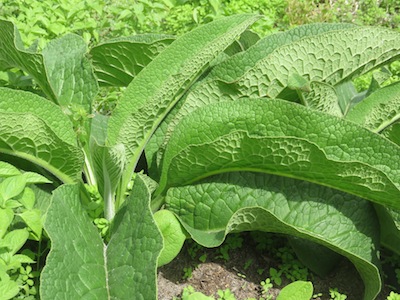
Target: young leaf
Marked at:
7, 169
298, 290
173, 235
14, 240
80, 266
116, 62
8, 288
283, 138
6, 217
12, 187
244, 201
156, 89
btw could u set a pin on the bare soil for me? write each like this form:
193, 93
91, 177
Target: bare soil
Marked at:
242, 279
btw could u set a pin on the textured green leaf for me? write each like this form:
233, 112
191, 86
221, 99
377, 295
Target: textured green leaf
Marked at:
213, 88
379, 110
234, 202
298, 290
80, 266
283, 138
116, 62
75, 267
25, 135
25, 102
69, 72
322, 97
157, 88
134, 247
331, 57
164, 80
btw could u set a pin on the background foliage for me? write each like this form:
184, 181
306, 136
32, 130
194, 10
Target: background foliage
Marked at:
97, 20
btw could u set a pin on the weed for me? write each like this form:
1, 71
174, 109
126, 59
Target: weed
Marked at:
335, 295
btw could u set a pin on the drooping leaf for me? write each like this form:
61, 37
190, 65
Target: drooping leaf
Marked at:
214, 89
244, 201
279, 137
25, 102
80, 266
118, 61
25, 135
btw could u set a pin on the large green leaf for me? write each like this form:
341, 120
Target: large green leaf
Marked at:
283, 138
26, 136
116, 62
25, 102
234, 202
156, 89
208, 90
46, 139
331, 57
80, 266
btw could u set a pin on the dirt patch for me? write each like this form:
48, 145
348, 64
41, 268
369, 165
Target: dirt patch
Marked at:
207, 270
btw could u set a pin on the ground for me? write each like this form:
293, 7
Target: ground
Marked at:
242, 275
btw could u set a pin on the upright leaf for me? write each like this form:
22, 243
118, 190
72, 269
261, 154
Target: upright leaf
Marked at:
156, 89
69, 72
63, 72
13, 54
75, 267
80, 266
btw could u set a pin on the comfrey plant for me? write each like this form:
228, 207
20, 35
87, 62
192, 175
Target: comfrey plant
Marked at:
238, 134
